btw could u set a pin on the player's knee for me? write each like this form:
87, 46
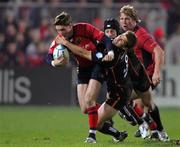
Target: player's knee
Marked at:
89, 100
147, 104
146, 99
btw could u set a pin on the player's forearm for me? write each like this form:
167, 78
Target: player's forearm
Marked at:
159, 58
59, 62
109, 46
78, 50
107, 42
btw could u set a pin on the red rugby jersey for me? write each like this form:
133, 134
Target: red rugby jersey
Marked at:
86, 36
144, 49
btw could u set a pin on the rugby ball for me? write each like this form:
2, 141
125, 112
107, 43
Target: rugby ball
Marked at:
60, 51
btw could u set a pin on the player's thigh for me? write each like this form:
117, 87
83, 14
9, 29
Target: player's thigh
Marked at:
141, 82
81, 91
105, 112
92, 91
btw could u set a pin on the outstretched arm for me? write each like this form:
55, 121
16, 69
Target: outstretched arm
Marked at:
93, 56
159, 61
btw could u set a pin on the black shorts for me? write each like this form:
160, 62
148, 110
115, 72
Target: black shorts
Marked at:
95, 72
119, 94
140, 78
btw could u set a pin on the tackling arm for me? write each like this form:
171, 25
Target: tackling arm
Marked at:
159, 61
92, 56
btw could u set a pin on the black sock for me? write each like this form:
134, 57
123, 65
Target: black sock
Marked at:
109, 130
92, 135
135, 115
147, 118
154, 113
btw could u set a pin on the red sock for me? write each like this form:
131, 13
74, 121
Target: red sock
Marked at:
153, 126
93, 117
138, 110
97, 105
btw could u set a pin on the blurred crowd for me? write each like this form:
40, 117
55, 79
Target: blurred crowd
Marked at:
26, 30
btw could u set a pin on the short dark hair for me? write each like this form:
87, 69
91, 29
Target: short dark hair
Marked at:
131, 39
63, 19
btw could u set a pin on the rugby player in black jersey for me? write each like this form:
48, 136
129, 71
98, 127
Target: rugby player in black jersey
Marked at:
111, 28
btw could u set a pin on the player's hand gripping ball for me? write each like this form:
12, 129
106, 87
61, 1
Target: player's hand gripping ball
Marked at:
61, 53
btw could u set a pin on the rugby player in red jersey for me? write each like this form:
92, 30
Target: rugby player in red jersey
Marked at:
152, 56
90, 76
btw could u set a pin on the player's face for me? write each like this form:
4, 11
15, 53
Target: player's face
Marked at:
111, 33
66, 31
126, 22
120, 40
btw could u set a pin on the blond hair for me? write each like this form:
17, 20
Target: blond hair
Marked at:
131, 12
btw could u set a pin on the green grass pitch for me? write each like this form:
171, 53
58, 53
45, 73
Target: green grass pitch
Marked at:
58, 126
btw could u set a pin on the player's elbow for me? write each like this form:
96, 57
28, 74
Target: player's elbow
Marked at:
159, 51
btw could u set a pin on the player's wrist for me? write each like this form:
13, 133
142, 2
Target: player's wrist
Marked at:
111, 54
65, 42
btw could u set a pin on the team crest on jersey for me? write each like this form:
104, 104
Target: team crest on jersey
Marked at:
86, 46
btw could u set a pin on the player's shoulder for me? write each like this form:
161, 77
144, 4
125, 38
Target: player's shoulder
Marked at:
82, 25
141, 32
